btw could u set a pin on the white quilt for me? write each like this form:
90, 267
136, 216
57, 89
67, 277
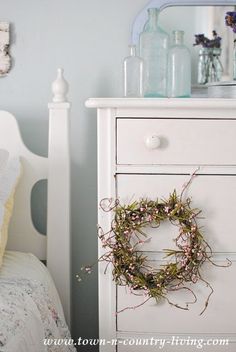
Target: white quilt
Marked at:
30, 310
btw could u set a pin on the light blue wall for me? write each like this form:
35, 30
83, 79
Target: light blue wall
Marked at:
89, 39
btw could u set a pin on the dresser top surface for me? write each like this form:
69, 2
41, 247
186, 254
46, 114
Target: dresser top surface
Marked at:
161, 103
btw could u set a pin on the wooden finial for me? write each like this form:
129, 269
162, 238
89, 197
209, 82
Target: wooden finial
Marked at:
60, 88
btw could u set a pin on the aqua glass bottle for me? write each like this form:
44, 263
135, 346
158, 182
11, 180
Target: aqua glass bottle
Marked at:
179, 68
153, 47
133, 74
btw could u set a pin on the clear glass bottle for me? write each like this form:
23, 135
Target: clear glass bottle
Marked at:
179, 68
153, 46
234, 61
133, 74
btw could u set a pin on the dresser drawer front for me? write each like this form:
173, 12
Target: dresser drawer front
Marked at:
214, 195
152, 317
183, 346
182, 142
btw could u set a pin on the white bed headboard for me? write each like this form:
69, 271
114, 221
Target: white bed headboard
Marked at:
55, 247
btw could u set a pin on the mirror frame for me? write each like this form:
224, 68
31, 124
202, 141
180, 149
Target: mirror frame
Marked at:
141, 18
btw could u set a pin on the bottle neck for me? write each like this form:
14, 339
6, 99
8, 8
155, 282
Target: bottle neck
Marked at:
153, 15
178, 37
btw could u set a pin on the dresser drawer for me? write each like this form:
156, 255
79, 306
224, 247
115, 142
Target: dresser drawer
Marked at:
160, 318
181, 141
214, 195
184, 344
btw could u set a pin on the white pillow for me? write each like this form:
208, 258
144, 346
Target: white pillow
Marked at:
4, 155
9, 176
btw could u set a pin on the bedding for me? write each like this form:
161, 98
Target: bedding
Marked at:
30, 308
10, 169
4, 154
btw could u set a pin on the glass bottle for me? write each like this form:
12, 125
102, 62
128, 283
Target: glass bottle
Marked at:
179, 68
133, 74
153, 45
234, 61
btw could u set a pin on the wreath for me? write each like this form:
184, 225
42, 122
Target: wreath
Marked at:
130, 265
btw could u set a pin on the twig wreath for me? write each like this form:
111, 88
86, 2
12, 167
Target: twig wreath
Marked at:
130, 265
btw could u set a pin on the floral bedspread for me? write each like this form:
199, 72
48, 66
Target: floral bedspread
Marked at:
28, 316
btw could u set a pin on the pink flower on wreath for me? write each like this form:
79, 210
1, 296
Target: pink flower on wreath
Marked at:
167, 209
141, 242
187, 249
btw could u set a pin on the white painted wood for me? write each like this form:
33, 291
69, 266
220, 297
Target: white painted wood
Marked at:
216, 220
55, 247
147, 342
170, 346
22, 234
58, 224
5, 60
153, 141
164, 107
176, 169
162, 103
106, 188
4, 37
209, 123
217, 257
180, 112
60, 88
124, 335
181, 141
161, 317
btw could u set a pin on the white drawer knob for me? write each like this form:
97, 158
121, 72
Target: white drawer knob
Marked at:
153, 142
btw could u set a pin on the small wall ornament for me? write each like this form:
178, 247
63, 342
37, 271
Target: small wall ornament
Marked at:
5, 59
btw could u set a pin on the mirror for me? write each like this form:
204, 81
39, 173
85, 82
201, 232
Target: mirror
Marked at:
195, 20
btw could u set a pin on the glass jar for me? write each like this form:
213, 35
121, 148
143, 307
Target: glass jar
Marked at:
210, 68
215, 66
234, 61
179, 68
153, 45
133, 74
203, 66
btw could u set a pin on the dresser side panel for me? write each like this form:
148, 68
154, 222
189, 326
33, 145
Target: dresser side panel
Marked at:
106, 189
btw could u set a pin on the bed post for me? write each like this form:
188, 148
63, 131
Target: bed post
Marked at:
58, 224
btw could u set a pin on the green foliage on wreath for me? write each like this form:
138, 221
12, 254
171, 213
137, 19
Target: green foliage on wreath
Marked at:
131, 267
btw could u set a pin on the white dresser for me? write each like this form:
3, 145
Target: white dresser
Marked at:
148, 148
